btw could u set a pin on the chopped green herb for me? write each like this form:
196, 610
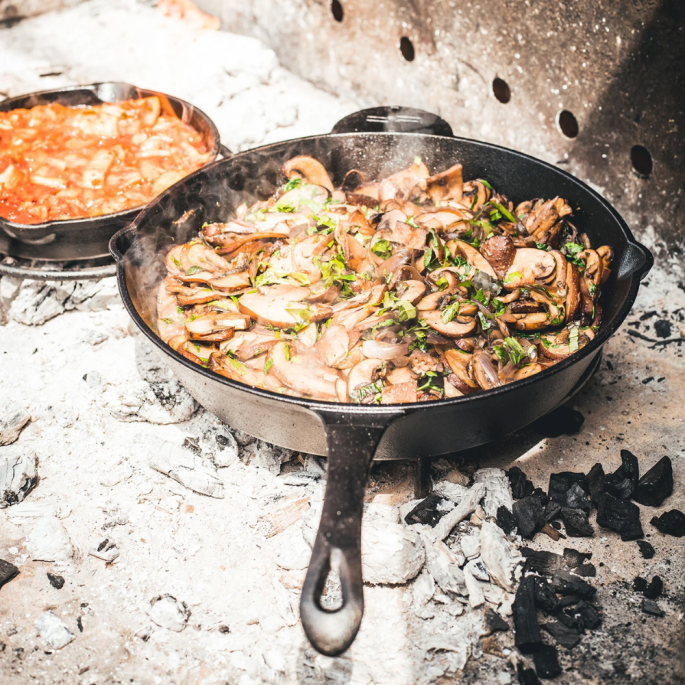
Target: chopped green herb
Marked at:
193, 270
411, 222
406, 310
293, 183
481, 297
382, 248
361, 393
485, 183
287, 352
513, 276
267, 366
498, 307
167, 321
516, 351
573, 338
449, 312
485, 323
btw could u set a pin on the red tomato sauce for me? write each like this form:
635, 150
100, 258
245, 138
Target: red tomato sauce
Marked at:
61, 162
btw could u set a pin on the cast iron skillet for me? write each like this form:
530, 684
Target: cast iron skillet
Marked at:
350, 435
75, 239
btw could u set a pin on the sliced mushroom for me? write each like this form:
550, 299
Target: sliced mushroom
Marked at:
454, 329
217, 327
410, 290
401, 374
447, 185
376, 349
277, 305
309, 169
499, 252
423, 362
526, 371
606, 254
400, 184
199, 354
362, 374
238, 371
529, 265
307, 336
473, 257
231, 283
484, 371
400, 393
572, 291
248, 344
334, 345
303, 375
404, 234
531, 322
433, 301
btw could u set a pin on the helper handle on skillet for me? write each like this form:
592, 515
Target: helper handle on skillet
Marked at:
352, 441
393, 119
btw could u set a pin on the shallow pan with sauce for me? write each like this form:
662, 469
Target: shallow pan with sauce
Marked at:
88, 238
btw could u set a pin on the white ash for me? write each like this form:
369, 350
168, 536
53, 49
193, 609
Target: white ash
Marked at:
497, 490
391, 553
294, 553
167, 612
49, 541
186, 468
12, 420
465, 508
444, 565
473, 586
18, 474
470, 545
452, 491
107, 551
499, 556
53, 630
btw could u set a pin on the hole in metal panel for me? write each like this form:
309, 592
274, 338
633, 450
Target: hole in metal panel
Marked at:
567, 123
337, 10
501, 90
641, 160
407, 49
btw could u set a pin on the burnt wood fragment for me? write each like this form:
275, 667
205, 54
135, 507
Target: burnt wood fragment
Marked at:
565, 636
588, 614
428, 512
494, 622
595, 481
569, 600
545, 597
544, 563
620, 516
546, 662
527, 633
651, 607
574, 558
571, 619
56, 581
655, 588
552, 510
639, 584
505, 519
561, 483
670, 523
526, 676
656, 485
520, 485
576, 523
565, 583
529, 515
8, 571
646, 549
622, 482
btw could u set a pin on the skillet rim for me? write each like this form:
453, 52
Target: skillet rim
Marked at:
78, 222
322, 407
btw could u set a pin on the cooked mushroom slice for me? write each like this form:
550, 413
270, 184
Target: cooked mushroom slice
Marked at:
526, 371
400, 393
361, 376
307, 336
303, 197
423, 362
230, 242
499, 252
231, 283
593, 271
404, 234
446, 185
606, 254
302, 373
433, 301
309, 169
377, 349
457, 328
410, 290
238, 371
322, 292
170, 317
553, 348
401, 184
540, 221
572, 291
474, 258
191, 296
529, 265
531, 322
217, 327
173, 261
199, 256
484, 371
334, 345
458, 362
401, 374
282, 306
449, 219
248, 344
192, 350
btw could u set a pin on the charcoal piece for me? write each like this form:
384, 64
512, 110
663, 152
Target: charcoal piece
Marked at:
520, 485
620, 516
56, 581
428, 512
670, 523
546, 662
556, 525
494, 622
639, 584
552, 510
576, 523
526, 676
505, 519
529, 516
621, 483
576, 498
544, 563
7, 572
561, 421
651, 607
565, 636
595, 482
646, 549
545, 597
540, 495
560, 484
588, 615
586, 570
656, 485
655, 588
565, 583
569, 600
527, 633
571, 619
573, 558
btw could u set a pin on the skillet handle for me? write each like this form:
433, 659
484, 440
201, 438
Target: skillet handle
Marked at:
121, 241
352, 441
393, 119
637, 259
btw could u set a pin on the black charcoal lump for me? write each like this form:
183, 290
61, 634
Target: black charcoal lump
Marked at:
576, 498
494, 622
565, 636
545, 598
527, 633
576, 523
622, 482
620, 516
542, 562
520, 485
646, 549
654, 588
651, 607
656, 485
56, 581
670, 523
561, 483
546, 662
8, 571
588, 614
639, 584
595, 482
428, 512
526, 676
505, 519
566, 583
573, 558
529, 515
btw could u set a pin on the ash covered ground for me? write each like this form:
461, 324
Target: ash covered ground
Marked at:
163, 584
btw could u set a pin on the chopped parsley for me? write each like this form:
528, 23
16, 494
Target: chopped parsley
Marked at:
382, 248
449, 312
361, 393
513, 276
